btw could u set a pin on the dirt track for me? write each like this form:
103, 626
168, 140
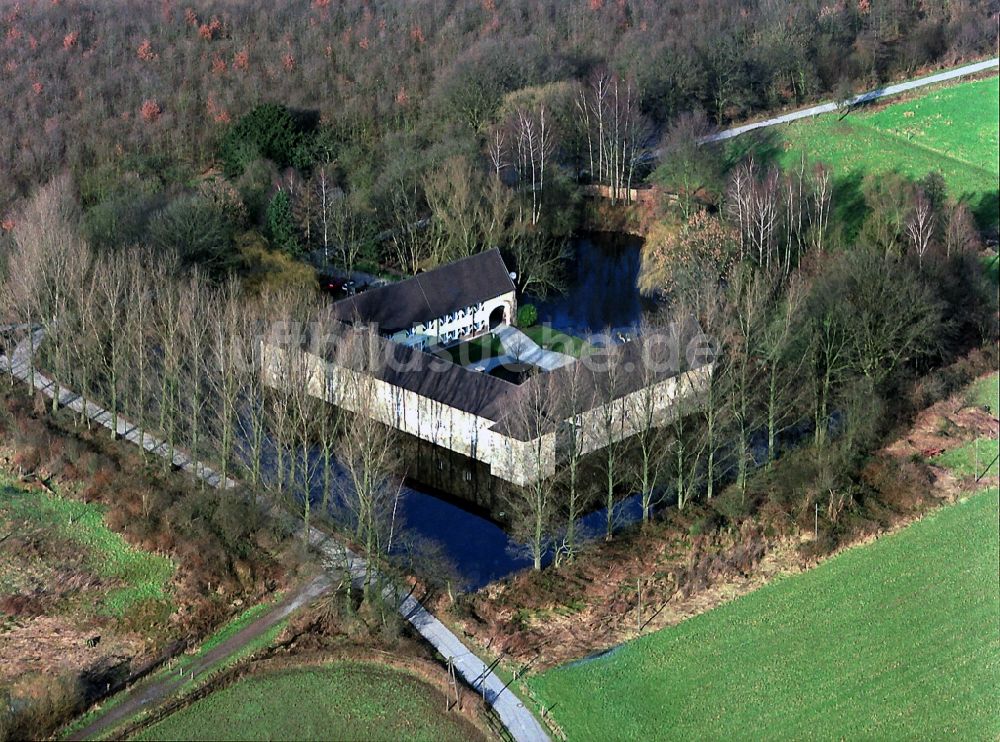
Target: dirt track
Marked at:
149, 695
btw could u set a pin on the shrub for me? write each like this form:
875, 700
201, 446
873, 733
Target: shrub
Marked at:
732, 505
38, 704
900, 485
198, 230
254, 187
235, 520
703, 525
120, 219
27, 459
263, 269
281, 231
527, 315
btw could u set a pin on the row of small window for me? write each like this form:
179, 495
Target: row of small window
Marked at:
461, 314
462, 332
466, 473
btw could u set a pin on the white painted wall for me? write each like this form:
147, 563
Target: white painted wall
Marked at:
463, 324
509, 459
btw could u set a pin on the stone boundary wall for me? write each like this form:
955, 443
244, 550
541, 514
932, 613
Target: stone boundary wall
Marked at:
470, 435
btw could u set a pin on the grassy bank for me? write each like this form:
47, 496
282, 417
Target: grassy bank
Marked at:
344, 701
896, 639
952, 130
129, 577
978, 457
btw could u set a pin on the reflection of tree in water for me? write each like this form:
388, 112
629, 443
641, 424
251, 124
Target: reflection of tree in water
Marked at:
602, 290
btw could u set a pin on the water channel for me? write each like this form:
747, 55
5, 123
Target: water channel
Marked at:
601, 295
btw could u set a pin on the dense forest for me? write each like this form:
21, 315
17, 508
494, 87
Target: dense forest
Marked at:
370, 113
176, 177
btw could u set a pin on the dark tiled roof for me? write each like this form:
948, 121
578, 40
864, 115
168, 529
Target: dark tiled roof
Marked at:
519, 410
547, 399
429, 295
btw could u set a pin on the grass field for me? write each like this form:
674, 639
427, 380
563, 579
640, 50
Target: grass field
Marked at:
896, 639
342, 701
77, 531
560, 342
986, 392
487, 346
950, 129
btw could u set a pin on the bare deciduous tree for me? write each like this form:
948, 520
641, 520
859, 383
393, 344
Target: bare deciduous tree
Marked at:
647, 409
406, 236
961, 234
781, 365
532, 135
607, 430
496, 149
822, 197
576, 490
615, 128
46, 244
109, 282
920, 224
749, 297
532, 506
367, 449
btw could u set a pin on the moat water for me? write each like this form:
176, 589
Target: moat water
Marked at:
601, 287
476, 547
461, 529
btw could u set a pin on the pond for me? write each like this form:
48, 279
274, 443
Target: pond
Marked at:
601, 291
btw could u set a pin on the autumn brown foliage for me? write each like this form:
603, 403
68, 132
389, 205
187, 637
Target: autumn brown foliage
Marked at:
77, 73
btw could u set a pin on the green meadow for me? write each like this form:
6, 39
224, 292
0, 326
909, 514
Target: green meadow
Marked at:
951, 129
342, 701
898, 639
78, 529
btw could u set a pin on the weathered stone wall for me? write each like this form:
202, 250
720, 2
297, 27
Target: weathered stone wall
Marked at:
508, 458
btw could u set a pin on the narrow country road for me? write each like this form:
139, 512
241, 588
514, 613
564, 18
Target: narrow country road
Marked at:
871, 95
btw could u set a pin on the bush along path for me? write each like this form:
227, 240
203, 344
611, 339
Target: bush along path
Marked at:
516, 718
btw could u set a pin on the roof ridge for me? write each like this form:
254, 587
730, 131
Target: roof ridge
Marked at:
423, 293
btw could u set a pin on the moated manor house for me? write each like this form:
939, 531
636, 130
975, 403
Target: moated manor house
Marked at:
415, 388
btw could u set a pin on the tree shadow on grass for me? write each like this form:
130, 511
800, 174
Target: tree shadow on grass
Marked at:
849, 204
986, 209
764, 144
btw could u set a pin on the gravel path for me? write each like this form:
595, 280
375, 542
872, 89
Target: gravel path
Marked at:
151, 695
518, 720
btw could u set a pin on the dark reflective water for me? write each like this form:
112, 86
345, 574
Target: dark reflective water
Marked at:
431, 525
601, 295
477, 547
602, 292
